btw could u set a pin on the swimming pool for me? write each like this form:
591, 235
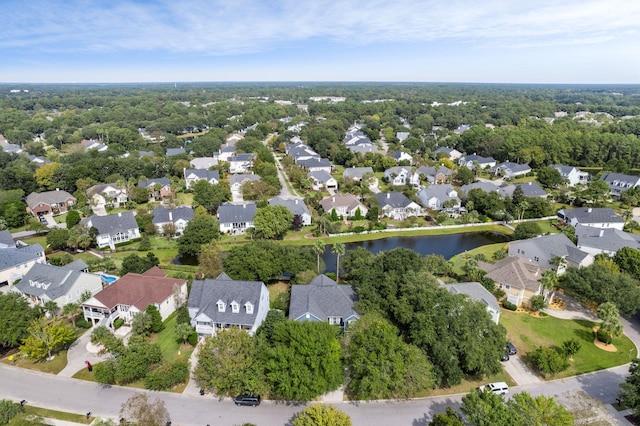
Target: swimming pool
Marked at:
109, 279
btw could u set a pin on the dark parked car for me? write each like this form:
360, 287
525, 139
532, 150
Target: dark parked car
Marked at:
505, 356
246, 399
512, 349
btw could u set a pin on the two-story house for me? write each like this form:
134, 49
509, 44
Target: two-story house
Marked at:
158, 188
440, 197
345, 205
402, 175
107, 194
114, 228
321, 180
397, 206
16, 259
471, 161
517, 277
604, 217
572, 175
295, 206
323, 300
510, 170
236, 181
177, 218
236, 218
222, 303
544, 250
618, 182
191, 176
240, 163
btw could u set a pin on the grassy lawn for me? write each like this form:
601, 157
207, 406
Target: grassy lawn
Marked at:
52, 367
166, 339
184, 198
275, 290
460, 259
58, 415
547, 226
42, 240
471, 383
527, 332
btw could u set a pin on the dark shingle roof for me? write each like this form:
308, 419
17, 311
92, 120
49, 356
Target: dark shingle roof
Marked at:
13, 256
203, 174
295, 205
48, 197
593, 215
150, 183
322, 298
161, 214
245, 212
394, 199
112, 223
6, 239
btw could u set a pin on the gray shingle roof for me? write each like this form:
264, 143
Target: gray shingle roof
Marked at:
322, 298
113, 223
623, 181
321, 176
394, 199
476, 292
432, 171
609, 239
295, 205
229, 213
529, 189
356, 172
483, 186
48, 197
150, 183
52, 281
77, 265
13, 256
6, 240
161, 214
241, 178
175, 151
205, 295
203, 174
592, 215
314, 162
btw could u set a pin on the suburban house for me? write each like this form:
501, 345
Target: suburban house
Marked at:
114, 228
345, 205
529, 189
236, 181
179, 218
402, 175
477, 292
203, 162
402, 156
107, 194
224, 153
315, 164
608, 241
481, 185
322, 180
158, 188
517, 277
470, 161
446, 152
572, 175
132, 293
174, 151
295, 206
435, 197
240, 163
191, 176
542, 250
236, 218
356, 173
397, 206
222, 303
618, 182
60, 284
401, 136
604, 217
16, 259
88, 144
49, 202
299, 151
323, 300
436, 175
509, 169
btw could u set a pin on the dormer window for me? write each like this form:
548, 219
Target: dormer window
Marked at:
221, 306
235, 307
248, 307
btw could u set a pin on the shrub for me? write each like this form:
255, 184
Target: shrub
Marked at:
8, 410
105, 372
83, 323
538, 303
193, 339
499, 255
118, 323
167, 375
548, 360
182, 315
508, 305
603, 336
358, 229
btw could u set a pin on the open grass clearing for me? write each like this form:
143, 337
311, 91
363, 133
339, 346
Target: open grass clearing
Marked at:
471, 383
58, 415
527, 332
488, 250
54, 366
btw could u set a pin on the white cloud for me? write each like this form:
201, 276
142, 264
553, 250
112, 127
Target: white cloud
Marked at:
222, 27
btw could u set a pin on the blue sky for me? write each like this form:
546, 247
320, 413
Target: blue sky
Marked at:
508, 41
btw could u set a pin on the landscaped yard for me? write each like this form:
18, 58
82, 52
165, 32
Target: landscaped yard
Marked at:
527, 332
54, 366
171, 349
471, 383
459, 260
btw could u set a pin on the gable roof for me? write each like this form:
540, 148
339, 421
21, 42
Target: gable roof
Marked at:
609, 239
393, 199
321, 176
356, 172
97, 189
241, 178
163, 215
475, 291
48, 198
564, 170
113, 223
202, 174
340, 200
14, 256
513, 167
529, 189
479, 158
441, 192
150, 183
621, 180
175, 151
244, 212
53, 281
314, 162
139, 290
592, 215
481, 185
322, 298
6, 240
203, 162
432, 171
205, 295
553, 244
514, 271
77, 265
294, 205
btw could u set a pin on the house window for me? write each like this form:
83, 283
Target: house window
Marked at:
235, 308
335, 320
248, 308
507, 286
221, 306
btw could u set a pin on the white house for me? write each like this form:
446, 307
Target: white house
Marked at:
16, 259
323, 300
595, 217
222, 303
236, 218
114, 228
295, 206
191, 176
322, 180
178, 217
572, 175
401, 175
436, 196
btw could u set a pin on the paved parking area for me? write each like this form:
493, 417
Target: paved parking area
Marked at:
519, 372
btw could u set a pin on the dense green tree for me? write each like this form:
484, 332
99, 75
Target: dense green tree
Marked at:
548, 360
73, 218
338, 249
550, 177
465, 176
265, 331
210, 196
139, 195
321, 415
628, 259
449, 418
272, 222
611, 325
156, 319
571, 347
228, 364
201, 230
9, 410
527, 410
209, 261
138, 265
527, 230
485, 408
303, 360
630, 388
381, 365
15, 318
266, 260
46, 337
57, 238
14, 213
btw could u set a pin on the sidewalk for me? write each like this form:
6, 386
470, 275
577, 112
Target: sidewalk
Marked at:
79, 352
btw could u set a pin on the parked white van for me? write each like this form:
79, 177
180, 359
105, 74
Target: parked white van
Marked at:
499, 388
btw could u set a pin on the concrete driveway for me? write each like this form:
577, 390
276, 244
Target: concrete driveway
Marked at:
519, 372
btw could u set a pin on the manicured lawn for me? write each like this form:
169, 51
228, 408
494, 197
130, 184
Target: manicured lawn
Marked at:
58, 415
42, 240
547, 226
459, 260
185, 198
527, 332
469, 384
52, 367
166, 339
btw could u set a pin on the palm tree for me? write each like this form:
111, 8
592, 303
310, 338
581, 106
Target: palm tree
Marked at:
318, 249
611, 325
338, 249
51, 308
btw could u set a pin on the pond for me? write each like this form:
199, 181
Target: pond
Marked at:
443, 245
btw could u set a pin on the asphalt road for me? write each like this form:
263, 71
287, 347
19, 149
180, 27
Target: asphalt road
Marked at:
73, 395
